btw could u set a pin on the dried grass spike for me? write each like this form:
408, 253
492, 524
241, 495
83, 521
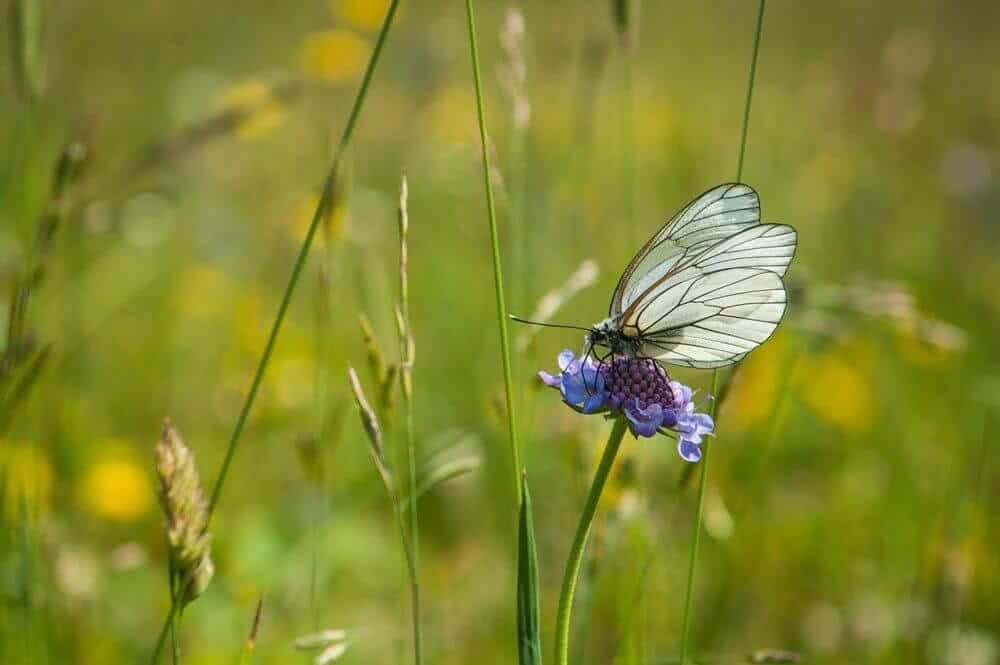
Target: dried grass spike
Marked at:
186, 511
370, 422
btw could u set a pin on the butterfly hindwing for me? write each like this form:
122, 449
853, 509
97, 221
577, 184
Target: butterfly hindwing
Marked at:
723, 316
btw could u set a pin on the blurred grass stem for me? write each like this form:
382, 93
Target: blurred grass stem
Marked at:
696, 536
753, 75
497, 267
175, 651
406, 352
576, 551
321, 210
378, 454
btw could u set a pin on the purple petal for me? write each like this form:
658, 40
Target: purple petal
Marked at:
644, 422
704, 422
593, 403
573, 390
693, 425
682, 394
566, 358
549, 380
689, 451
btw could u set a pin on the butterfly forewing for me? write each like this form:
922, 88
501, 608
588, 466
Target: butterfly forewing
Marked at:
715, 215
765, 246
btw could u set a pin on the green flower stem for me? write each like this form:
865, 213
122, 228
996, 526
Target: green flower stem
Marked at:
696, 536
497, 269
580, 541
321, 212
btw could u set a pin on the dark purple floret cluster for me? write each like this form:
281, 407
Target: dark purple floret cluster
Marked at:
637, 387
636, 381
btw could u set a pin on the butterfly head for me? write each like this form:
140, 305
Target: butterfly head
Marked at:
609, 334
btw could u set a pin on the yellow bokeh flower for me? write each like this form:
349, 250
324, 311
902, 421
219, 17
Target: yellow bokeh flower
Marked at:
753, 393
365, 14
26, 480
836, 385
334, 55
117, 488
256, 100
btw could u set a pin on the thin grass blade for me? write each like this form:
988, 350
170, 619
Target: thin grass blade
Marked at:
529, 637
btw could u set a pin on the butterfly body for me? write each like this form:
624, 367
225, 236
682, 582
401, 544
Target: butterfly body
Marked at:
608, 334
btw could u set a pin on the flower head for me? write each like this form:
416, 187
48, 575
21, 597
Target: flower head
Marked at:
637, 387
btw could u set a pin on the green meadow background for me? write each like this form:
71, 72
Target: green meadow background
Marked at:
851, 505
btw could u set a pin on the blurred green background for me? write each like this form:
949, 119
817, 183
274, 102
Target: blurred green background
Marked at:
851, 504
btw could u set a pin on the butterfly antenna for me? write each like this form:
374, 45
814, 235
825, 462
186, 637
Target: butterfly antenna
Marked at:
546, 325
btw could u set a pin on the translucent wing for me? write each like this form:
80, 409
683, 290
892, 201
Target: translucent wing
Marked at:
715, 215
714, 308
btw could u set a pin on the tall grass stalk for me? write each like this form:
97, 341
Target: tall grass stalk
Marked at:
407, 350
378, 454
627, 24
300, 260
318, 215
575, 559
497, 266
175, 647
696, 536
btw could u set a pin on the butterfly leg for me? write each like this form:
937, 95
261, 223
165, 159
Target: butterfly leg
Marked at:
583, 362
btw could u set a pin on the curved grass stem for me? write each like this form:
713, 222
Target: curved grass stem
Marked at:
321, 211
576, 551
696, 536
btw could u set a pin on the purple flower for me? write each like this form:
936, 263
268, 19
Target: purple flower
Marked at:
581, 384
637, 387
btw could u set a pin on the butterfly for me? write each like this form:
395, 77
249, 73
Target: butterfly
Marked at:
705, 290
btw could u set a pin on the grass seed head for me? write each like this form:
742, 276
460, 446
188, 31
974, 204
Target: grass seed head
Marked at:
186, 511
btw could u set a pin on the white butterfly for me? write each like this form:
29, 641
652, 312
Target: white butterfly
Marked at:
706, 289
